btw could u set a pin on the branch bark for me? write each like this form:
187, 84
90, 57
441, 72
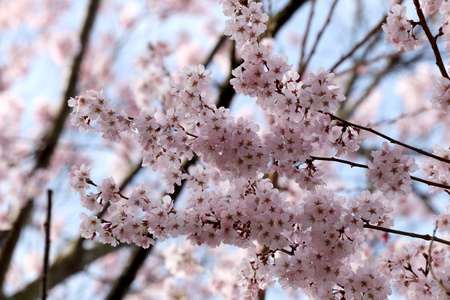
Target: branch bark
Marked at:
47, 244
431, 39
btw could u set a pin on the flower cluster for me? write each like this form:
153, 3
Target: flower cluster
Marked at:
194, 125
367, 283
306, 246
370, 208
137, 219
441, 94
247, 213
443, 220
399, 30
444, 10
299, 109
324, 242
418, 272
436, 170
312, 245
253, 276
430, 6
247, 22
390, 170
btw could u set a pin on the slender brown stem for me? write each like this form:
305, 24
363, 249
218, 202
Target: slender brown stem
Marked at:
358, 45
47, 244
261, 294
366, 62
425, 237
394, 141
319, 35
431, 39
305, 38
352, 164
430, 264
431, 183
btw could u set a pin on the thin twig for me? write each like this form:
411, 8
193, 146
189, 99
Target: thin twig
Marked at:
430, 264
425, 237
431, 39
47, 244
353, 164
308, 28
362, 42
51, 137
392, 140
394, 120
302, 67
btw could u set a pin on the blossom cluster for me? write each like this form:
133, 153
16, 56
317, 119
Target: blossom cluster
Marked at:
418, 271
371, 208
436, 170
430, 6
444, 10
442, 222
441, 94
299, 109
400, 30
390, 170
312, 245
306, 246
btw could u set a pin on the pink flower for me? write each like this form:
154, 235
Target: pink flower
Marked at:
399, 30
390, 170
441, 94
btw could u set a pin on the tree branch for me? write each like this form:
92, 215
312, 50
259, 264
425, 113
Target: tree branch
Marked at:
444, 186
308, 26
319, 35
11, 242
47, 244
358, 45
66, 266
425, 237
285, 15
394, 141
50, 140
127, 277
431, 39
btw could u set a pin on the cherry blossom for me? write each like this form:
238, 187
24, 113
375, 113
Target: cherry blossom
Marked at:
441, 94
400, 31
390, 170
233, 196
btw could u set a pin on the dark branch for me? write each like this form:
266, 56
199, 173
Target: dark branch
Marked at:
431, 183
50, 139
425, 237
392, 140
47, 244
431, 39
358, 45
